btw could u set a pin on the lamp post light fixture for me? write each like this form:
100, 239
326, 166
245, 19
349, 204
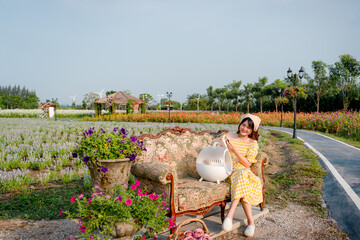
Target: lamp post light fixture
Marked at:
294, 78
109, 99
169, 95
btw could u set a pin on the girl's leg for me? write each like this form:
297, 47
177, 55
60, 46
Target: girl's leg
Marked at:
232, 208
248, 212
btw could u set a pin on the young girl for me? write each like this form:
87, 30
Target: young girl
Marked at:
245, 185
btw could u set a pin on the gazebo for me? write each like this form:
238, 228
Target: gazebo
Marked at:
120, 99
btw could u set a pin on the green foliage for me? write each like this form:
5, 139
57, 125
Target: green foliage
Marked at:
130, 106
40, 204
118, 204
299, 180
15, 97
143, 108
345, 73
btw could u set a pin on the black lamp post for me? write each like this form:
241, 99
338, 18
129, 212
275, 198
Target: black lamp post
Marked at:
282, 106
109, 99
294, 78
169, 95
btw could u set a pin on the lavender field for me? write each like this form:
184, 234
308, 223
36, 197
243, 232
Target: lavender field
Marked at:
39, 151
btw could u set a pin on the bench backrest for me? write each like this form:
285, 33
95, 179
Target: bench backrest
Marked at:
177, 147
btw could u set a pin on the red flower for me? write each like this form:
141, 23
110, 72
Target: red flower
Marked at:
82, 228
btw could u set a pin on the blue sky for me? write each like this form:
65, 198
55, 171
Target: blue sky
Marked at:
66, 48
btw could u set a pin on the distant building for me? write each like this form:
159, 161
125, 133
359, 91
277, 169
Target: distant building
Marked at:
120, 99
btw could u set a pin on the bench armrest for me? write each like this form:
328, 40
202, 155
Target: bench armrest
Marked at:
154, 170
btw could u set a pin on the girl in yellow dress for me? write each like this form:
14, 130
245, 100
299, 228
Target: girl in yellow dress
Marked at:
245, 185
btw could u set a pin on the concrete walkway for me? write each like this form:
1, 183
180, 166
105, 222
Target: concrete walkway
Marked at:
213, 221
342, 183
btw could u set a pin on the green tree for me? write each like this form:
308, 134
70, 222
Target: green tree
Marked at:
345, 73
31, 101
234, 93
248, 95
90, 98
220, 94
276, 90
146, 98
210, 96
110, 92
260, 90
321, 85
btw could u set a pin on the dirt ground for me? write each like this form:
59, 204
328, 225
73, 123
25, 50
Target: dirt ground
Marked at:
291, 222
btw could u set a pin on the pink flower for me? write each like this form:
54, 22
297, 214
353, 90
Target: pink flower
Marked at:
96, 187
139, 190
163, 203
118, 198
82, 228
71, 238
90, 216
128, 201
187, 233
81, 222
61, 212
137, 183
73, 199
143, 238
94, 194
133, 187
81, 196
107, 197
205, 237
89, 200
151, 196
197, 233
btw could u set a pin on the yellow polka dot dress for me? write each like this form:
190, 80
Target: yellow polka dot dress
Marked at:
245, 184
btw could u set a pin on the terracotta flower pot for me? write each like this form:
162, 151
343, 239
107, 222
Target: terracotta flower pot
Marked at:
118, 172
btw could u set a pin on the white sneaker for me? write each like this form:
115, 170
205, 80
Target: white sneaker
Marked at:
227, 224
249, 231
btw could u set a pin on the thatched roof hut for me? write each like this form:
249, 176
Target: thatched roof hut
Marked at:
119, 98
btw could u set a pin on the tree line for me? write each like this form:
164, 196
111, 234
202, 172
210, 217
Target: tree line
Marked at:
330, 88
12, 97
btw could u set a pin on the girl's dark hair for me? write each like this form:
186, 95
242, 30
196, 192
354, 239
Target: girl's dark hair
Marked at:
254, 134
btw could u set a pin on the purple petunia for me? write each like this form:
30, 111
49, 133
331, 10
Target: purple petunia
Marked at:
108, 140
133, 139
132, 157
115, 129
123, 131
86, 159
104, 169
102, 130
74, 154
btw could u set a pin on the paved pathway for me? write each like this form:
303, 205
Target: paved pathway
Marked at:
342, 183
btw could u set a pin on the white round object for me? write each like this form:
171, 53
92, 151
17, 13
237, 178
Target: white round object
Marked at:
214, 163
